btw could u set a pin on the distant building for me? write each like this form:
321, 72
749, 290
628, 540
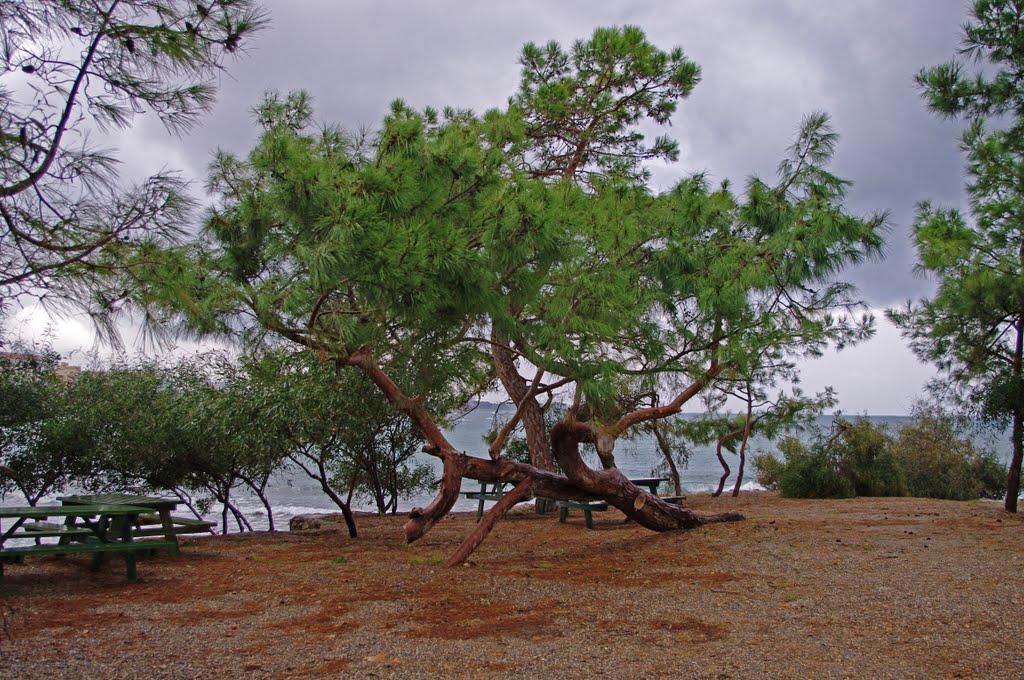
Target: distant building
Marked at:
66, 372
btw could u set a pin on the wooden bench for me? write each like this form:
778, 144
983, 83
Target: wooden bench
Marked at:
152, 525
96, 548
51, 530
588, 507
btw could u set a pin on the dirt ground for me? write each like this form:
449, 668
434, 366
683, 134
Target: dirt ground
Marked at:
855, 588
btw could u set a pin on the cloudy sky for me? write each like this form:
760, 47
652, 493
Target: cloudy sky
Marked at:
765, 63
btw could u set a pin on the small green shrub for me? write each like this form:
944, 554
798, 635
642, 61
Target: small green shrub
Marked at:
810, 472
768, 469
941, 461
864, 454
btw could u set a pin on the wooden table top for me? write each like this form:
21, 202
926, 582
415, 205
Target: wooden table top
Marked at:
150, 502
44, 511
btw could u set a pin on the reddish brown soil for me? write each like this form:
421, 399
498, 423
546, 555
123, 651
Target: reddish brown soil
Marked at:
859, 588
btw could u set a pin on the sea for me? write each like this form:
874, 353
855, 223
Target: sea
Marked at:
292, 493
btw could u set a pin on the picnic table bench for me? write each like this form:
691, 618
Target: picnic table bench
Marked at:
91, 529
588, 507
488, 492
493, 492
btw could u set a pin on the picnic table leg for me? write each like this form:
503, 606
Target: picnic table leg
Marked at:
129, 557
69, 521
480, 505
563, 512
129, 567
102, 526
168, 525
588, 517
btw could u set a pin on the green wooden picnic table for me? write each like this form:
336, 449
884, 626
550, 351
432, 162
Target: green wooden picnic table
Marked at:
652, 483
167, 525
95, 528
162, 506
103, 511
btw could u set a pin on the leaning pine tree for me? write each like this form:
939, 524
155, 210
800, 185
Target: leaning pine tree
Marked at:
526, 245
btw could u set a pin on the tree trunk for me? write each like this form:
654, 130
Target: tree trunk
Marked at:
486, 523
321, 477
421, 520
666, 451
270, 510
187, 500
579, 482
610, 485
260, 491
350, 520
240, 519
743, 444
721, 461
1013, 478
531, 413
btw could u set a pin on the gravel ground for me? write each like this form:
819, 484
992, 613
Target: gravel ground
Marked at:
871, 588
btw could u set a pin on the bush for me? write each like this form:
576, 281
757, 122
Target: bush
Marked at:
768, 469
865, 458
929, 457
855, 460
808, 471
941, 461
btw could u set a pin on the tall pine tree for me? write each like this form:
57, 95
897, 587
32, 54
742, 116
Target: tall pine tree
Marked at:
973, 326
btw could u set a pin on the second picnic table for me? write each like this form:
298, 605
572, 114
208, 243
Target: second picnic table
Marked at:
590, 507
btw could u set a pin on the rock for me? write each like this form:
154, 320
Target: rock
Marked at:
329, 522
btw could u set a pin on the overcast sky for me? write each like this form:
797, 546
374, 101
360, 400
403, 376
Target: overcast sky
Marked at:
765, 64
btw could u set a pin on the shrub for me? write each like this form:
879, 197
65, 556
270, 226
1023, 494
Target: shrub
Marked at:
807, 472
930, 457
856, 459
941, 461
768, 469
864, 454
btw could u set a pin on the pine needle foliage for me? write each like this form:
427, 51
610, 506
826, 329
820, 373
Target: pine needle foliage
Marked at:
67, 222
972, 328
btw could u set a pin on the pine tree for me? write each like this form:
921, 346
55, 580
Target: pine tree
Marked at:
972, 328
67, 223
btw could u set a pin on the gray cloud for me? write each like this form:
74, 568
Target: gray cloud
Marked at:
765, 65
